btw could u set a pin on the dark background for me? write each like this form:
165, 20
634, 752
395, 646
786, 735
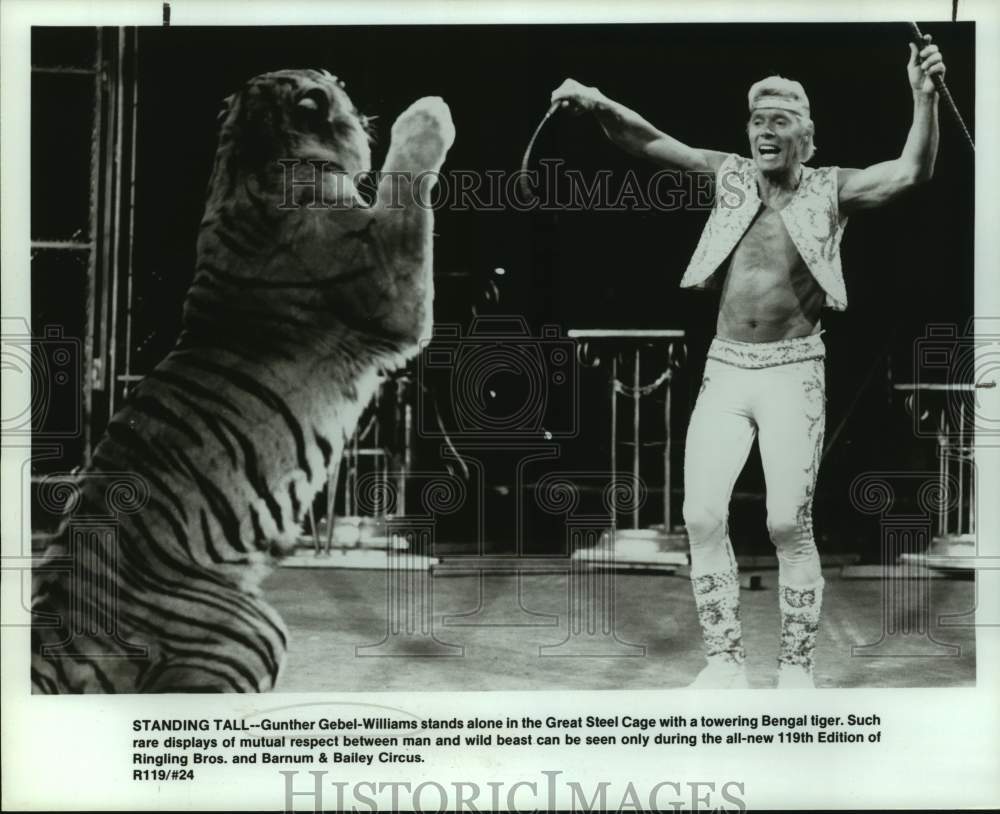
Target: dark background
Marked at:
907, 266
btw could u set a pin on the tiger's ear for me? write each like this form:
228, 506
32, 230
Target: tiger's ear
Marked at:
227, 105
340, 82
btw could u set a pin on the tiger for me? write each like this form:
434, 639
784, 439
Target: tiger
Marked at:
305, 293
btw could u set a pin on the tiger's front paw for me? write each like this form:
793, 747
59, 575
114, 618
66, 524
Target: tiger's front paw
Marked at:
422, 135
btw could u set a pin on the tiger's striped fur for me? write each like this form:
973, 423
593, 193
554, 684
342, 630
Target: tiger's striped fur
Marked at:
293, 312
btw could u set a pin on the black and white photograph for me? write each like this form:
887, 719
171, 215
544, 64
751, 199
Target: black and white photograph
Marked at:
496, 392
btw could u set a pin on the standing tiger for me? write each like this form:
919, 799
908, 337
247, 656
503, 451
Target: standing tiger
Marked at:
298, 302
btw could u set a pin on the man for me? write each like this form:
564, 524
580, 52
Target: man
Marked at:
772, 243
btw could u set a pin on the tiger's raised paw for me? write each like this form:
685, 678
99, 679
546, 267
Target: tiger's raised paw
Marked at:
422, 135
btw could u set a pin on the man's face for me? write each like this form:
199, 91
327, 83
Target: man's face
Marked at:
777, 139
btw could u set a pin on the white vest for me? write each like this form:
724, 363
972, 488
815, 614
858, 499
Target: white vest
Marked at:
812, 218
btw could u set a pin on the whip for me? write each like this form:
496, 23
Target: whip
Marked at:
917, 38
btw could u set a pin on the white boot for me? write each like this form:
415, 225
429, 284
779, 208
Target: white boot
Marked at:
800, 612
721, 674
717, 597
794, 677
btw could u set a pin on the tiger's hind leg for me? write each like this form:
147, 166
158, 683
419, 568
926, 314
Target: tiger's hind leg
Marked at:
239, 650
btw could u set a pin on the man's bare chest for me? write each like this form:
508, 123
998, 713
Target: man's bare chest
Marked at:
766, 247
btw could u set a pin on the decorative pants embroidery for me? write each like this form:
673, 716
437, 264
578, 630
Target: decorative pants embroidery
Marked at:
800, 612
717, 598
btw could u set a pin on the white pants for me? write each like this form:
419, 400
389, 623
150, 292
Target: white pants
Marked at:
776, 392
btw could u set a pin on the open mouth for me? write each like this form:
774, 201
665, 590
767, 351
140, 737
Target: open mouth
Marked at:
767, 150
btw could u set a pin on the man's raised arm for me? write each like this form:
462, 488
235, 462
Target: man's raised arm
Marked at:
633, 133
880, 183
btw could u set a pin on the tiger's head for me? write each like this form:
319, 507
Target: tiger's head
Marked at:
287, 253
280, 125
301, 114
